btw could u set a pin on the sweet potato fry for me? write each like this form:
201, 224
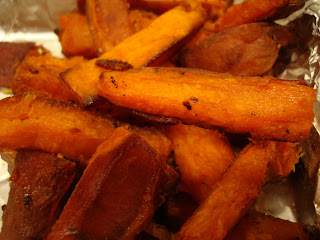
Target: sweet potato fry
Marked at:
38, 183
255, 225
138, 49
202, 156
75, 36
235, 192
246, 50
251, 11
34, 122
11, 54
109, 23
161, 6
117, 193
266, 108
140, 19
40, 75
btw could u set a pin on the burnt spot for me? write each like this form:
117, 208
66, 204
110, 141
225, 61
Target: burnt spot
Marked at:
181, 72
253, 113
114, 64
74, 130
27, 200
114, 82
187, 105
288, 131
34, 71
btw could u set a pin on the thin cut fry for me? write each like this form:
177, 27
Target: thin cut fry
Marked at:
202, 156
235, 192
266, 108
33, 122
138, 50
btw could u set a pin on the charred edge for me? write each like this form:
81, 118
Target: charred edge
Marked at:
187, 105
113, 64
33, 71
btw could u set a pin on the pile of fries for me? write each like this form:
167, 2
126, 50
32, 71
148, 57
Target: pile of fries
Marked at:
133, 135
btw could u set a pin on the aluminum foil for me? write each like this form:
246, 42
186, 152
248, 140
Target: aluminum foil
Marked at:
296, 198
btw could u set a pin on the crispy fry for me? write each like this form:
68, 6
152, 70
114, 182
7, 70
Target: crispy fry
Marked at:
266, 108
246, 50
138, 50
202, 157
117, 194
33, 122
140, 19
40, 75
255, 225
235, 192
38, 183
75, 36
245, 12
109, 23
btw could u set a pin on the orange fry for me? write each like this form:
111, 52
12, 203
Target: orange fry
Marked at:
235, 192
202, 156
266, 108
138, 50
33, 122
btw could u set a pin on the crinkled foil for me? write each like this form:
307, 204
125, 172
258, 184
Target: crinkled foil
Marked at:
296, 198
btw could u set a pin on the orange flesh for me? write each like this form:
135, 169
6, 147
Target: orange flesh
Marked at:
264, 107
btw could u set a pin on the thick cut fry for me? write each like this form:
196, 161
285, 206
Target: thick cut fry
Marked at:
247, 11
138, 50
75, 36
235, 192
202, 157
266, 108
33, 122
109, 23
257, 226
117, 193
247, 50
40, 75
38, 183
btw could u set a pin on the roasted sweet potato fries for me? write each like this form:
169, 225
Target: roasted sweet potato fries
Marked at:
131, 136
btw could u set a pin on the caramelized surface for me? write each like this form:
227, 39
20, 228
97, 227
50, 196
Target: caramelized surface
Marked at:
233, 195
34, 122
38, 183
117, 193
138, 50
266, 108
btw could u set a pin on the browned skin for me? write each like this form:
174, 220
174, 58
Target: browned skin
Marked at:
248, 11
11, 54
109, 23
138, 50
255, 225
75, 36
266, 108
247, 50
38, 183
117, 193
34, 122
40, 75
202, 156
235, 192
